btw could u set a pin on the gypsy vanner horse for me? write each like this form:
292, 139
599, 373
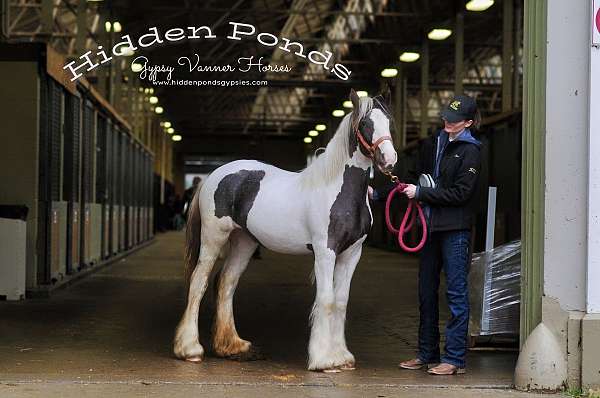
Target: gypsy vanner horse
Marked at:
323, 209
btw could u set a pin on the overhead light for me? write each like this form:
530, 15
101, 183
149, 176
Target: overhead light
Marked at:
159, 110
338, 113
107, 26
408, 56
151, 90
389, 72
162, 124
154, 100
439, 34
347, 104
167, 125
117, 26
170, 130
136, 68
362, 94
307, 140
126, 52
141, 89
313, 133
479, 5
320, 127
176, 137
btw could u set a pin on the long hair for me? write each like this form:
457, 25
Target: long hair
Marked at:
192, 237
327, 166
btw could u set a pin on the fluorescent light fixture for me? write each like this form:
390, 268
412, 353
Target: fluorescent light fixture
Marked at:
170, 130
362, 94
409, 56
176, 137
117, 26
347, 104
107, 26
167, 125
313, 133
307, 140
154, 100
159, 110
389, 72
439, 34
338, 113
135, 67
320, 127
479, 5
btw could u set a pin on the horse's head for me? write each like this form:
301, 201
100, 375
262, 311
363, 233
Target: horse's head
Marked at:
372, 130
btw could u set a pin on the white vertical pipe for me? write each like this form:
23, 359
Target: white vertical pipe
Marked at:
491, 219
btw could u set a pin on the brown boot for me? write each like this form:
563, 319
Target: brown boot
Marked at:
445, 369
413, 364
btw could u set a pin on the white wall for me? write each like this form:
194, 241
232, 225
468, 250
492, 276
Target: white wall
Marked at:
593, 290
567, 99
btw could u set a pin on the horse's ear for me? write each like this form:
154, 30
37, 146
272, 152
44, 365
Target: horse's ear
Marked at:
354, 98
387, 96
356, 107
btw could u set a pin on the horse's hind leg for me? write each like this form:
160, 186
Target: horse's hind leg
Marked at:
186, 344
226, 342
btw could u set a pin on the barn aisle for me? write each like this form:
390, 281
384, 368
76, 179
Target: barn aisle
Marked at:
116, 327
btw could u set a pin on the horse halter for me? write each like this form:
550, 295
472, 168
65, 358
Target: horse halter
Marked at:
370, 148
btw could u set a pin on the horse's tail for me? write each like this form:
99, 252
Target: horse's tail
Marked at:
192, 237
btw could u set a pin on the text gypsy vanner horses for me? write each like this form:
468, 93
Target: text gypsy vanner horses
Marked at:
323, 209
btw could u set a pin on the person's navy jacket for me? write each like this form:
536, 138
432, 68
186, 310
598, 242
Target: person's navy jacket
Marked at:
453, 202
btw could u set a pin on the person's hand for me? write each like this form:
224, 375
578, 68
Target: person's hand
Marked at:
370, 191
410, 191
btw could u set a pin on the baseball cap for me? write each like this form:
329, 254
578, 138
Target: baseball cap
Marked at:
462, 107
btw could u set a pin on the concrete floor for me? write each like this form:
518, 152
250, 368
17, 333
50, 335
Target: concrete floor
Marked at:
111, 333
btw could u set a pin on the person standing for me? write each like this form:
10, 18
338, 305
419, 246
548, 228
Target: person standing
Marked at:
452, 159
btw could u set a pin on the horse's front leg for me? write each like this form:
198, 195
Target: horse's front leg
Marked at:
344, 269
320, 346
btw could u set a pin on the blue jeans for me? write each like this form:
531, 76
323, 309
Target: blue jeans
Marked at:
448, 250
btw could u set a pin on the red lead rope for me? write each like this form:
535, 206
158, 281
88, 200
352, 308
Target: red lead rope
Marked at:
410, 213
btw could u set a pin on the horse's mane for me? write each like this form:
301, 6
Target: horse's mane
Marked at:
327, 166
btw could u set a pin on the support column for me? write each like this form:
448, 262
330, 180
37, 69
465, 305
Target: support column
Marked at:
399, 103
533, 165
459, 52
424, 89
507, 53
80, 39
47, 17
517, 55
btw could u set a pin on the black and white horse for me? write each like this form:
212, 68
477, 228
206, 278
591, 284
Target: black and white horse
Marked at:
323, 209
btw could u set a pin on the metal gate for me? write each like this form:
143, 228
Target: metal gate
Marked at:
71, 178
50, 181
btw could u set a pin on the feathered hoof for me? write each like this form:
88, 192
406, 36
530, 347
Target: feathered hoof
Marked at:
190, 352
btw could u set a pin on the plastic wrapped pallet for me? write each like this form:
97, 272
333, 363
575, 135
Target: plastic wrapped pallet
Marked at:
495, 291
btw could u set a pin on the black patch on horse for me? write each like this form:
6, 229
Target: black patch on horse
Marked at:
349, 217
366, 128
309, 247
235, 195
